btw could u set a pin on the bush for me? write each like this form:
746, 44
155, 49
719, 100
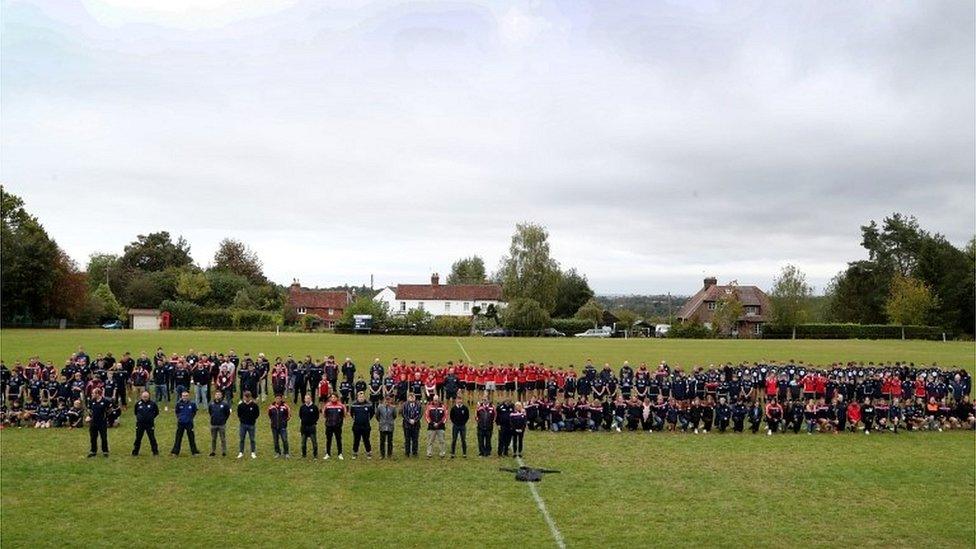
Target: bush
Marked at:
524, 315
451, 325
310, 322
215, 319
254, 320
689, 330
183, 314
570, 326
854, 331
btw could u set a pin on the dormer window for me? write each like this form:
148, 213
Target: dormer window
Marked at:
301, 310
711, 305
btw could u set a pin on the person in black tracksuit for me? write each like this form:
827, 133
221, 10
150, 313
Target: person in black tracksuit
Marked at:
723, 413
485, 419
503, 413
459, 424
411, 413
98, 412
146, 411
308, 414
362, 413
516, 424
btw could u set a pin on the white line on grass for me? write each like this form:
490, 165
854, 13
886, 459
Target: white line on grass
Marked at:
556, 535
466, 355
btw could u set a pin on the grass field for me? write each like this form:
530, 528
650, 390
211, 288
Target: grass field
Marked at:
913, 489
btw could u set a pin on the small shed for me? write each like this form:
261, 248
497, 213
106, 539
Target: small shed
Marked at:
144, 319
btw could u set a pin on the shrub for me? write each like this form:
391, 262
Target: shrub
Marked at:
854, 331
524, 315
689, 330
451, 325
183, 313
254, 320
310, 322
215, 319
570, 326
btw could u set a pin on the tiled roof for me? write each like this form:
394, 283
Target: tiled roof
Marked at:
317, 299
450, 292
748, 295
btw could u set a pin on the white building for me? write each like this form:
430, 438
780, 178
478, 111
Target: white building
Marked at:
144, 319
440, 299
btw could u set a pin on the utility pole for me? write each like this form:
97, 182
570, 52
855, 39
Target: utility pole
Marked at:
670, 319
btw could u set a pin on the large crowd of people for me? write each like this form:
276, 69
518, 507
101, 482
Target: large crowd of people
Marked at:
508, 399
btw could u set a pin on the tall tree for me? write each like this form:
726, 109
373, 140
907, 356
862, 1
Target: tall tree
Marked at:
858, 294
100, 267
592, 311
790, 296
468, 270
728, 309
156, 252
31, 264
571, 294
233, 256
192, 286
107, 300
528, 271
910, 302
524, 314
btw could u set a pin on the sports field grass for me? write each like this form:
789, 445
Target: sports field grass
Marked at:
911, 489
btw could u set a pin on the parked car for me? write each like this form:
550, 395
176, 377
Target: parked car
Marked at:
552, 332
496, 332
661, 330
596, 332
116, 325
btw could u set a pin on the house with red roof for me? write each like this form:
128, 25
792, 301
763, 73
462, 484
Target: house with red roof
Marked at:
440, 299
326, 304
756, 306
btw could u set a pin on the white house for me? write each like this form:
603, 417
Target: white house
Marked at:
440, 299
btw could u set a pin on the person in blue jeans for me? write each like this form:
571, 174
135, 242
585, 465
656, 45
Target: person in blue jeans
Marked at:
279, 413
247, 415
186, 410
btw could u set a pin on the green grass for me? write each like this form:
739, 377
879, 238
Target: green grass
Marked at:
908, 490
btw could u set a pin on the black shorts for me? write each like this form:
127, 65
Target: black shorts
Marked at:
510, 386
480, 386
540, 384
469, 386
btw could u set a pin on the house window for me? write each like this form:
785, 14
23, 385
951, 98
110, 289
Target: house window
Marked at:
330, 311
751, 310
757, 329
403, 306
447, 306
466, 306
711, 305
420, 305
301, 310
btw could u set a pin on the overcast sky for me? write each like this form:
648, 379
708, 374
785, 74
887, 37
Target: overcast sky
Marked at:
658, 141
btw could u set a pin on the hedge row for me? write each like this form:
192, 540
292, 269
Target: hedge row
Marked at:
570, 326
855, 331
190, 315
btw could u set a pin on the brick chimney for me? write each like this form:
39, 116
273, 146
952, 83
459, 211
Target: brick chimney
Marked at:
435, 279
710, 281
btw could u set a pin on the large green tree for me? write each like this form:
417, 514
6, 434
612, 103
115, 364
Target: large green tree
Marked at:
790, 297
591, 311
32, 265
528, 271
572, 293
233, 256
524, 315
910, 301
468, 270
156, 252
728, 309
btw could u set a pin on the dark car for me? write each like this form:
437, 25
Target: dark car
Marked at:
552, 332
496, 332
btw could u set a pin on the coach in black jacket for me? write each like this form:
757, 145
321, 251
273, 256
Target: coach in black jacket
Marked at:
459, 421
146, 411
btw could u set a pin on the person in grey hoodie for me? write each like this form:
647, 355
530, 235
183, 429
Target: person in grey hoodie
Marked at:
386, 414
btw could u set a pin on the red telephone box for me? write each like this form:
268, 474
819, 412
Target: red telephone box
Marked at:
164, 320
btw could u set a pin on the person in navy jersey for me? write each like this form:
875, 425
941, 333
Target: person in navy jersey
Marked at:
362, 413
459, 423
186, 410
517, 425
308, 415
219, 410
485, 419
146, 412
411, 414
99, 408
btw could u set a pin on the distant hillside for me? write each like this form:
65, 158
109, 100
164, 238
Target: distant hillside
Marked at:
651, 307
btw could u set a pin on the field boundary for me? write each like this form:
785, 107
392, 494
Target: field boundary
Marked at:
553, 529
463, 350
